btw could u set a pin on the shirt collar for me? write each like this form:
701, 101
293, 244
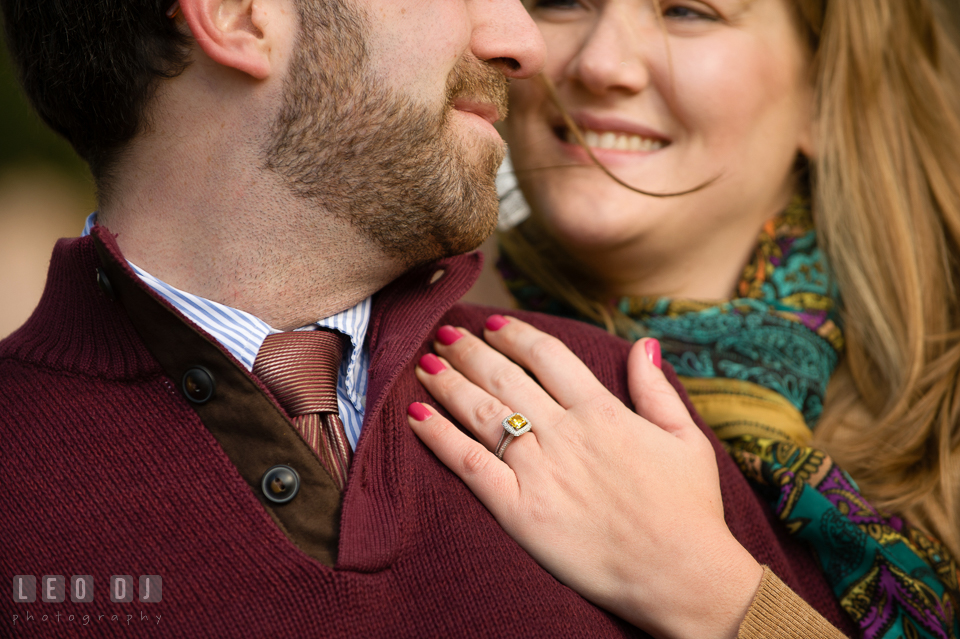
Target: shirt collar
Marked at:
242, 334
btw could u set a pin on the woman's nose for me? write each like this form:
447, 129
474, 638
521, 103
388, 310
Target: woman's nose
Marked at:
611, 58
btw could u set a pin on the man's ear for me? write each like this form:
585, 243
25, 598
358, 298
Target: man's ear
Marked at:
234, 32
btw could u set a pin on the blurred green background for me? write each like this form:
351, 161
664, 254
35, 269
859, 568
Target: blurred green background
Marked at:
45, 193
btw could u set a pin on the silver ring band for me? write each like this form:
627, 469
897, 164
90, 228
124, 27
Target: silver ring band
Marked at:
505, 439
513, 426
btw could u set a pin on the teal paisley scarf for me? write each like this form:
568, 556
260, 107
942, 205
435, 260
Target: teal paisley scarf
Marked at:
757, 368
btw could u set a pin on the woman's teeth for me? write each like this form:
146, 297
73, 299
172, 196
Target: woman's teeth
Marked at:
615, 141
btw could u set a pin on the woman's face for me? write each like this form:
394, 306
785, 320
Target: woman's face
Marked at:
716, 89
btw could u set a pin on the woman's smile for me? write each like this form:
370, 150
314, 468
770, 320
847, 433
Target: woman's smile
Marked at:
608, 135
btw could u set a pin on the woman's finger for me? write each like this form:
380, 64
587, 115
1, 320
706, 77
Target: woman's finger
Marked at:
654, 398
481, 412
497, 375
492, 481
562, 374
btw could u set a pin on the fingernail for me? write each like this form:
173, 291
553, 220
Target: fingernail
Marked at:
447, 335
431, 363
652, 347
496, 322
418, 411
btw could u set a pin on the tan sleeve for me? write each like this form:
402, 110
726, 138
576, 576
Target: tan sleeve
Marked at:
779, 613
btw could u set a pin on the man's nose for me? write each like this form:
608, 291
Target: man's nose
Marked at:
505, 36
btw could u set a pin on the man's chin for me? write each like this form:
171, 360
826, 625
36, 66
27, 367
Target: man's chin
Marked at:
486, 224
462, 235
479, 209
485, 152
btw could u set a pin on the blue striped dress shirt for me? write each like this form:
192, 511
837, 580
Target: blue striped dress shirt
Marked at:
242, 334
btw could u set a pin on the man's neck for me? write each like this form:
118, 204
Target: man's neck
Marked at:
244, 242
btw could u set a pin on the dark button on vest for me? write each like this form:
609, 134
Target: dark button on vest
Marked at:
198, 385
280, 484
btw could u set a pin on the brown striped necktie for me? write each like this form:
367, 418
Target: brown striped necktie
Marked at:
301, 369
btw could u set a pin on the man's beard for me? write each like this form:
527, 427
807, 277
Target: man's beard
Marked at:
394, 168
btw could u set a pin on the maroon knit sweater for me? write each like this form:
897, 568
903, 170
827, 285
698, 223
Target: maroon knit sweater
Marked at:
108, 470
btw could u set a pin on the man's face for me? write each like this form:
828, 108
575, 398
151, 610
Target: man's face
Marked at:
386, 140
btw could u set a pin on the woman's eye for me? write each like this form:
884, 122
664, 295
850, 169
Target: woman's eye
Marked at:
554, 4
681, 12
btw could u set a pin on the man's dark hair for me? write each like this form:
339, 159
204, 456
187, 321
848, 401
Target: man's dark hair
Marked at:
89, 67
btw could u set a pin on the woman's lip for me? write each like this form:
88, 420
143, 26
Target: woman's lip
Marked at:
614, 124
485, 110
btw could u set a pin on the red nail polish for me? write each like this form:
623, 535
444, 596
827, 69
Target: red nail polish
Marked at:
653, 352
431, 363
418, 411
496, 322
447, 335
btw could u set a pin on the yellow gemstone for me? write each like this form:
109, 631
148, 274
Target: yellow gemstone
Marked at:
516, 422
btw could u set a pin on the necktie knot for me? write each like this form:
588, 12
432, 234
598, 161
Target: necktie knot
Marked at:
301, 370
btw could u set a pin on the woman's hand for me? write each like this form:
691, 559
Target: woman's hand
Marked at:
624, 509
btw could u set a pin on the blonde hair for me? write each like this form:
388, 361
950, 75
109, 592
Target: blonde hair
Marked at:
885, 188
